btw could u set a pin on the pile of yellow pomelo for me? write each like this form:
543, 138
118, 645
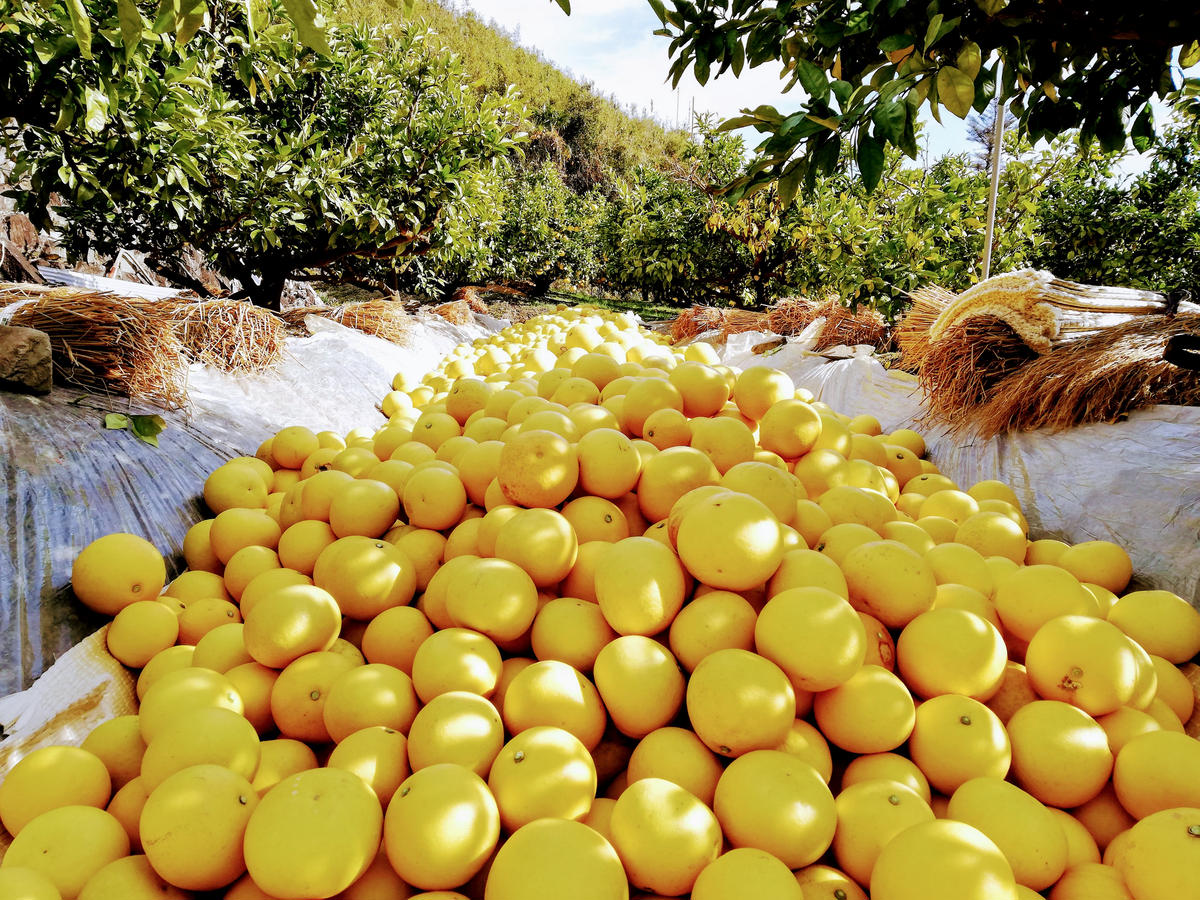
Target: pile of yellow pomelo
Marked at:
593, 617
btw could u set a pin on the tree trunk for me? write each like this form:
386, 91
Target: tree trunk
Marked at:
269, 292
541, 284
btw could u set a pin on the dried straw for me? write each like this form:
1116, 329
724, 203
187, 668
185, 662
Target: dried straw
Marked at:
231, 335
791, 315
694, 321
382, 318
960, 370
456, 312
912, 332
1098, 378
738, 321
105, 343
845, 327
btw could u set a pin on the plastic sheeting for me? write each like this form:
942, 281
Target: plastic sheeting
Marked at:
66, 480
1136, 482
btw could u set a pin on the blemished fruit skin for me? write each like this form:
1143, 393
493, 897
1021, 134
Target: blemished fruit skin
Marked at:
592, 616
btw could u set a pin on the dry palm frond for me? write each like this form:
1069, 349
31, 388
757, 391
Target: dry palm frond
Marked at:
456, 312
960, 371
231, 335
105, 343
1099, 378
382, 318
912, 332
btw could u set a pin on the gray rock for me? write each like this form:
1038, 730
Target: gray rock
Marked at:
25, 361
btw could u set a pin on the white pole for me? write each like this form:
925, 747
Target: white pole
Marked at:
994, 188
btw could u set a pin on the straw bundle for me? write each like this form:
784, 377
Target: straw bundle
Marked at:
102, 342
293, 319
230, 335
912, 332
791, 315
382, 318
961, 370
738, 321
1098, 378
694, 321
845, 327
456, 312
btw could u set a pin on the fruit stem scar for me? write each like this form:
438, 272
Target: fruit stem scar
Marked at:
519, 756
315, 695
1194, 830
966, 720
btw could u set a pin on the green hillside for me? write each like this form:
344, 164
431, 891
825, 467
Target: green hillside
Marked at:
602, 138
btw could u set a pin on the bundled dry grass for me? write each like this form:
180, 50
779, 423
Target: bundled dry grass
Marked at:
231, 335
105, 343
961, 371
1098, 378
694, 321
456, 312
912, 332
791, 315
382, 318
845, 327
738, 321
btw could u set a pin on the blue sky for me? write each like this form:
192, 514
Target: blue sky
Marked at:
611, 44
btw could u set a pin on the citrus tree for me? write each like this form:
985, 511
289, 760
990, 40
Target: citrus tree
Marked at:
867, 68
272, 159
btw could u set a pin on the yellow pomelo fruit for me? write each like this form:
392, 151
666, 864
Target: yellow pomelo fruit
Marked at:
495, 597
1083, 661
871, 712
889, 581
222, 648
640, 684
570, 630
790, 428
773, 486
118, 744
170, 660
1163, 623
24, 883
377, 754
728, 442
299, 694
667, 428
290, 622
609, 466
644, 397
1174, 688
758, 388
1081, 846
808, 568
193, 824
292, 445
942, 860
538, 469
197, 549
730, 541
200, 617
369, 695
813, 635
179, 693
556, 858
67, 846
869, 815
1026, 832
1098, 562
640, 586
543, 772
956, 739
1156, 771
886, 767
441, 826
555, 694
703, 388
955, 563
49, 778
434, 497
234, 485
775, 802
827, 883
319, 491
281, 758
990, 533
1091, 881
1031, 596
664, 836
718, 620
738, 701
746, 872
1160, 855
313, 834
116, 570
235, 529
301, 544
951, 651
455, 659
847, 504
212, 735
1059, 753
540, 541
140, 630
456, 727
678, 756
669, 475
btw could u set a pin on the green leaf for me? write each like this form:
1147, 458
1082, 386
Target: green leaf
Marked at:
991, 7
131, 26
1142, 131
167, 17
96, 104
148, 428
813, 80
969, 59
956, 90
738, 122
311, 26
831, 124
870, 162
659, 10
81, 25
116, 421
1189, 55
789, 181
192, 22
565, 5
896, 42
931, 33
889, 120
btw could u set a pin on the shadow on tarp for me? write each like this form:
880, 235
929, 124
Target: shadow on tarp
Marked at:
65, 480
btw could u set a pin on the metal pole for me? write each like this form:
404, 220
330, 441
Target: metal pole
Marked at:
994, 188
